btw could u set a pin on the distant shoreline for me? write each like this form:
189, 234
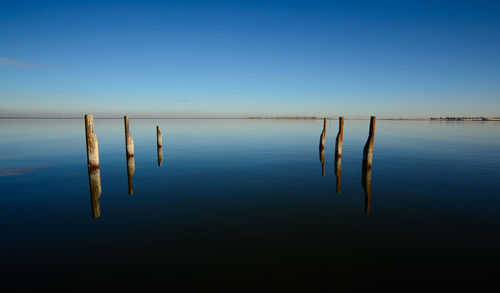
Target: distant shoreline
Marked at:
274, 118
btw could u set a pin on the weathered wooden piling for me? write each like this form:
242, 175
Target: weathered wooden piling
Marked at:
95, 191
366, 177
93, 166
91, 142
129, 142
340, 137
129, 150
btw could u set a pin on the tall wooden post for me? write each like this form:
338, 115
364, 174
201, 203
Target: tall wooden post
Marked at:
129, 150
366, 177
159, 143
93, 166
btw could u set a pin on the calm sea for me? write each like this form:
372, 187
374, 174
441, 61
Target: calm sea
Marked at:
244, 203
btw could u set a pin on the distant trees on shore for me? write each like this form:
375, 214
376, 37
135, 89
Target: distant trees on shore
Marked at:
459, 118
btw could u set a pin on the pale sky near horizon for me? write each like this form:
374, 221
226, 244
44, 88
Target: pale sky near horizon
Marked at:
250, 58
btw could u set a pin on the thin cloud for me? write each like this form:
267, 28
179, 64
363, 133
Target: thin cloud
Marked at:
18, 63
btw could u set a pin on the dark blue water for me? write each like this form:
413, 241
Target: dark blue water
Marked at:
243, 203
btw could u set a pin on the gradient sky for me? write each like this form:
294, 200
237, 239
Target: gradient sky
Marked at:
245, 58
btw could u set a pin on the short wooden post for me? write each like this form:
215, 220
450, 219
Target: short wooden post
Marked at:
340, 137
93, 166
129, 150
366, 177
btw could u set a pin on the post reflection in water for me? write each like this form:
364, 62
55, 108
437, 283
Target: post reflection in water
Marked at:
95, 191
366, 180
366, 177
130, 174
338, 165
159, 144
338, 152
322, 148
322, 160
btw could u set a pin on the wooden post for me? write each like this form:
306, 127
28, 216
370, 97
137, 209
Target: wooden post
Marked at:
340, 137
368, 150
323, 134
338, 152
129, 150
129, 142
159, 143
93, 166
322, 147
324, 128
92, 144
158, 137
366, 177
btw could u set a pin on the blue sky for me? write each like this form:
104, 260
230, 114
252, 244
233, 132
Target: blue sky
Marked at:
246, 58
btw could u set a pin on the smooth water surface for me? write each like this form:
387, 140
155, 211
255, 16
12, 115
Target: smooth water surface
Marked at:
244, 203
